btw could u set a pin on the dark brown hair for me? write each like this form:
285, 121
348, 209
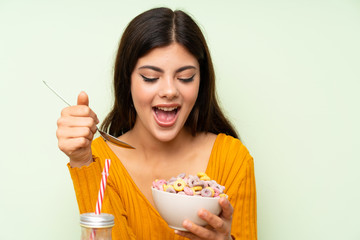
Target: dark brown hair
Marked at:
157, 28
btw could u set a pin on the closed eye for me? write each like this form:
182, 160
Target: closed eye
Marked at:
146, 79
190, 79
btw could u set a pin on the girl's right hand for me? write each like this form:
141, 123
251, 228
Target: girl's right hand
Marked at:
75, 132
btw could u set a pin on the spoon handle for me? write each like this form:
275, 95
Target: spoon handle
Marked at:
103, 134
56, 94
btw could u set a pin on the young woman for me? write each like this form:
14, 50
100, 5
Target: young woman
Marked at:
166, 107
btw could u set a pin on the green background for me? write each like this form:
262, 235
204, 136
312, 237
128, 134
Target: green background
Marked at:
288, 76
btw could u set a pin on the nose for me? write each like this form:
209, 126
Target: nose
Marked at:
168, 88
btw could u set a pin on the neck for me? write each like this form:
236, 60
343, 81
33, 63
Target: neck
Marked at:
151, 146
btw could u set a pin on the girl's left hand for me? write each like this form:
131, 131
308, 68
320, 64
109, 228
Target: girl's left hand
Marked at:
219, 227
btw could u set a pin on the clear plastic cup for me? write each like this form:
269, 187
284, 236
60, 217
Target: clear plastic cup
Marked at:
96, 226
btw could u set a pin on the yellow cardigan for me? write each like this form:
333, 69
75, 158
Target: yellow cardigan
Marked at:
230, 164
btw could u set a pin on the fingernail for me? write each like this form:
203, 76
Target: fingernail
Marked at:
204, 213
187, 224
223, 200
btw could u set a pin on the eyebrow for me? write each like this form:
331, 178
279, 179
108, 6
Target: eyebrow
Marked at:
157, 69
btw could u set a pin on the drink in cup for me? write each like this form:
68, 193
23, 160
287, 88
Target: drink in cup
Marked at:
96, 226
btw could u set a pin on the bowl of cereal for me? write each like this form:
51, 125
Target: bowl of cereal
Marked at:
181, 198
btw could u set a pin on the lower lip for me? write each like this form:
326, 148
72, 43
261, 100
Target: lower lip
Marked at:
166, 124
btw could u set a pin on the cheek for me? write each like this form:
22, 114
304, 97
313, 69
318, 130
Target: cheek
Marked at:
141, 95
191, 94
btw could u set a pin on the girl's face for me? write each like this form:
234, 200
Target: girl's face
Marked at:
164, 87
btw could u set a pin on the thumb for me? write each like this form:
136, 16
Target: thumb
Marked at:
83, 99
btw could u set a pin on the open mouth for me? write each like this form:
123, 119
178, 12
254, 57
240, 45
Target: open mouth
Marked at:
166, 115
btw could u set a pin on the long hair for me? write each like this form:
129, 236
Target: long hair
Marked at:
157, 28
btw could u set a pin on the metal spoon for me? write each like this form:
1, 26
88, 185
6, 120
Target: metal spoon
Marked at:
105, 135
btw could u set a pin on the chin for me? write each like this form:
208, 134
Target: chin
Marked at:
166, 136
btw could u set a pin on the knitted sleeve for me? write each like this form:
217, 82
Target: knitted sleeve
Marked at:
86, 181
232, 166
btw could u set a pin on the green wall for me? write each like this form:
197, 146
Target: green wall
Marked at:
288, 75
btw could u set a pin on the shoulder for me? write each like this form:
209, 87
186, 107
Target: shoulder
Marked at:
97, 142
207, 139
99, 147
229, 163
230, 151
227, 142
222, 137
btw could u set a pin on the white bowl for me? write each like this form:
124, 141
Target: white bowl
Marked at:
175, 208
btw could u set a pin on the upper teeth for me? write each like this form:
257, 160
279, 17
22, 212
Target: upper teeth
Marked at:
168, 109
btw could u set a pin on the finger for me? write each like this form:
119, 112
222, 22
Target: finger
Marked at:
227, 208
188, 235
196, 231
214, 221
77, 122
69, 146
79, 111
83, 99
77, 132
